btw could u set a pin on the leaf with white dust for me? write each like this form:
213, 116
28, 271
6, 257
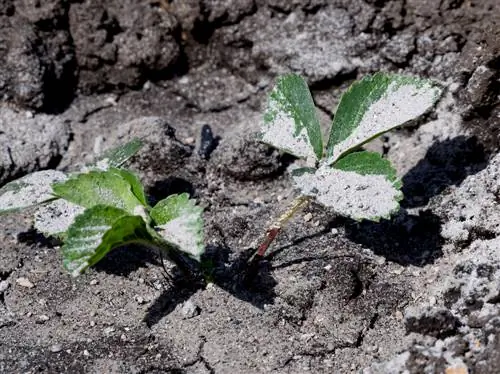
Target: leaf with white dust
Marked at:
109, 187
290, 121
55, 217
29, 190
180, 223
116, 157
375, 105
364, 186
97, 231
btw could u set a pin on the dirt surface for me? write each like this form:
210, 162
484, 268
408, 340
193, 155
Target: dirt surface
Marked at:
415, 294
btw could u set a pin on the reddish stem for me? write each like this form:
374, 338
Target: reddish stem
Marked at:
271, 235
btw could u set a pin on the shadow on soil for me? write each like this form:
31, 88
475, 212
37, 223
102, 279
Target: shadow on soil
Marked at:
445, 164
254, 285
405, 239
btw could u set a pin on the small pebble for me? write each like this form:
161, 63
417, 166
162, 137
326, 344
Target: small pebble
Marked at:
398, 271
109, 330
41, 319
4, 285
110, 100
308, 217
334, 231
24, 282
189, 310
56, 348
86, 353
457, 369
94, 282
139, 299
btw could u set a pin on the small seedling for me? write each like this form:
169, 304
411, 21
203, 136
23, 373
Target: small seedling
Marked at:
354, 183
104, 207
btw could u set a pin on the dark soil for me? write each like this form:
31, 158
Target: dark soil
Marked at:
415, 294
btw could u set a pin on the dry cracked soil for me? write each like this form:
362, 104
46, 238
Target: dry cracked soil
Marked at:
419, 293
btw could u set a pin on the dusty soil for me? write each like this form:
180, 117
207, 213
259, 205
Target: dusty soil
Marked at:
416, 294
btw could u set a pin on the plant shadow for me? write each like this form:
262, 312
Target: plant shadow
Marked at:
405, 239
169, 186
229, 271
127, 259
446, 163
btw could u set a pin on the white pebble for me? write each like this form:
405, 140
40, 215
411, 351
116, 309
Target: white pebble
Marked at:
24, 282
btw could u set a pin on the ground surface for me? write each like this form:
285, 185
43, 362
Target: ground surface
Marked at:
418, 293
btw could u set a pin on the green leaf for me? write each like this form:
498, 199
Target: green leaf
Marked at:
135, 184
55, 217
96, 232
369, 163
116, 157
362, 185
99, 188
180, 223
290, 121
29, 190
375, 105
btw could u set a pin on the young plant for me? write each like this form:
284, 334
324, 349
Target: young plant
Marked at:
354, 183
104, 207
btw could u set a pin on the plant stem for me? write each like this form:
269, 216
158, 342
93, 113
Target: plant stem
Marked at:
277, 226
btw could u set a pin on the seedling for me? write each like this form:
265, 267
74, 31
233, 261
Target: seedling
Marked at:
354, 183
104, 207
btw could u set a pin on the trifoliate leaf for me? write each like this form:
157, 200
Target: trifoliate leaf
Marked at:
99, 188
359, 192
116, 157
29, 190
375, 105
180, 223
97, 231
290, 121
55, 217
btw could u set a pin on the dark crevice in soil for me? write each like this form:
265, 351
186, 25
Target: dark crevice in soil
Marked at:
476, 233
334, 82
203, 360
358, 285
203, 29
